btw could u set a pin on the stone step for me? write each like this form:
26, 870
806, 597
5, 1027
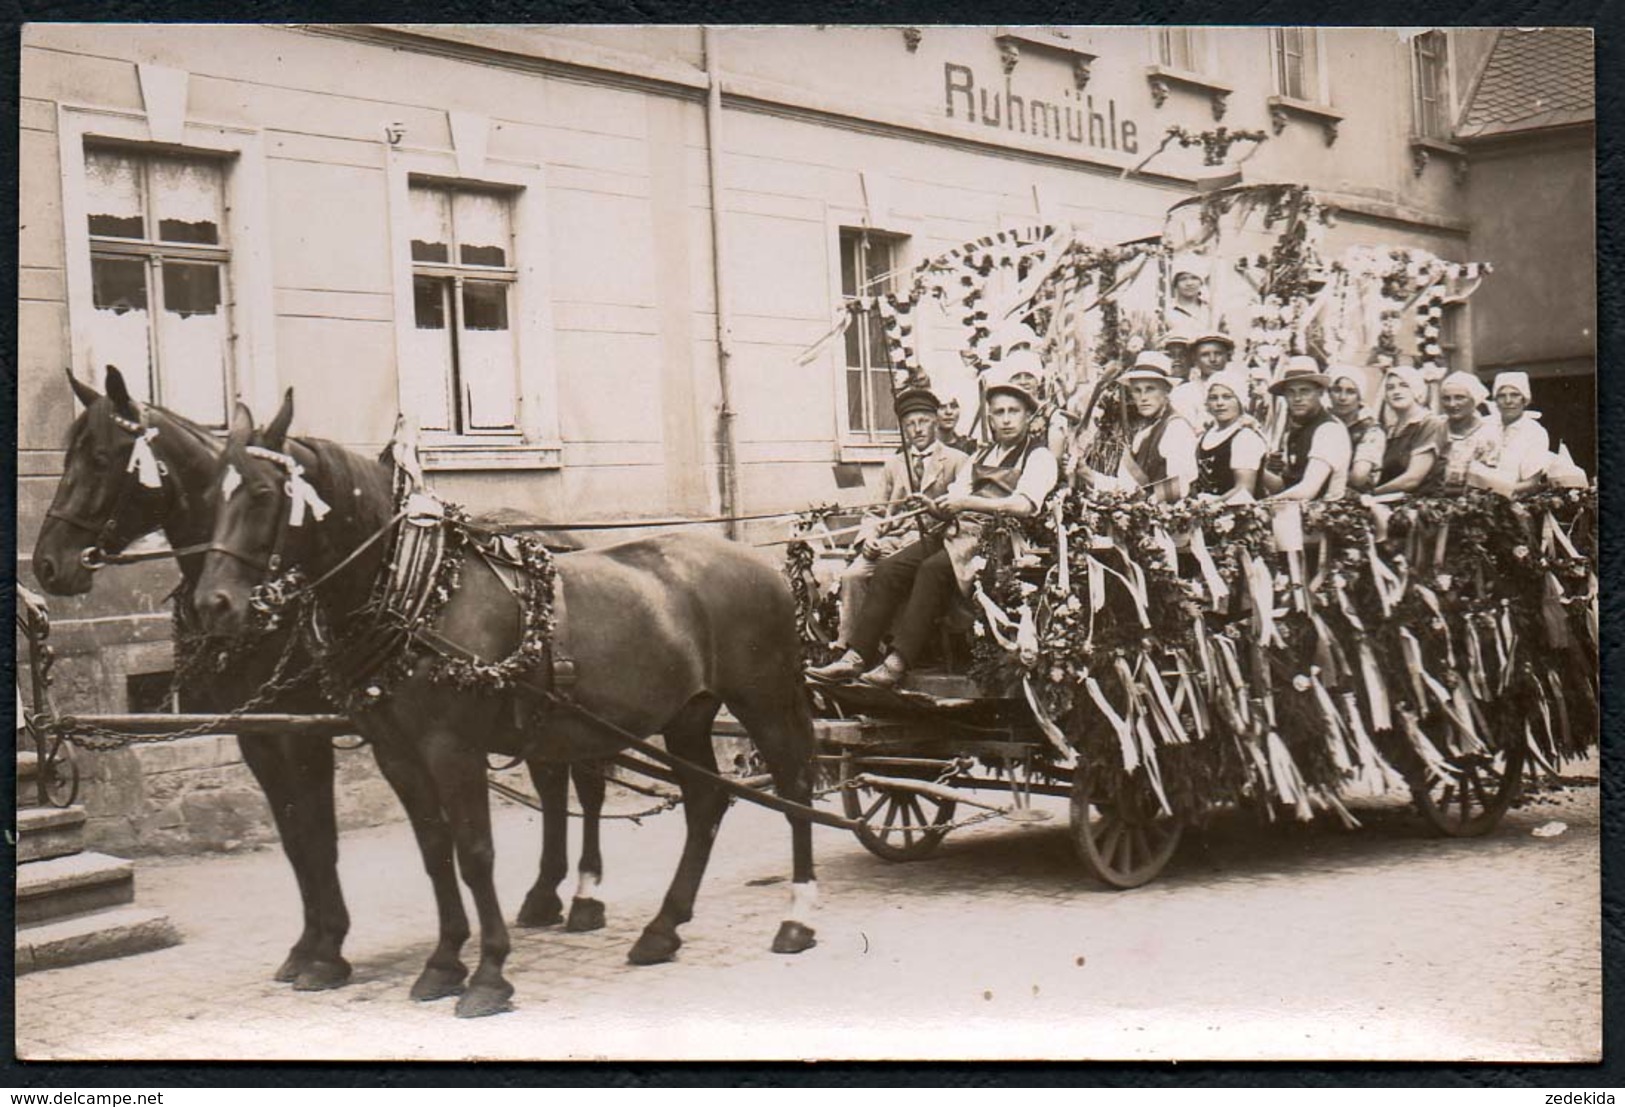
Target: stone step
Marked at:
46, 832
63, 886
93, 937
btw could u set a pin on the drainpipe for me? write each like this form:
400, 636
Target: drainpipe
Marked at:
727, 461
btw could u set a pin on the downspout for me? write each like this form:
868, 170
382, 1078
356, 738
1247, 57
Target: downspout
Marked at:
727, 461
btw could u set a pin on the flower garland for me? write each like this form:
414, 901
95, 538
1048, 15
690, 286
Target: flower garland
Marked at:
1416, 639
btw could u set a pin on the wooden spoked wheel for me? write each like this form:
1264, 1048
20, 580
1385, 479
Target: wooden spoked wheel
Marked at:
1472, 798
905, 826
1122, 836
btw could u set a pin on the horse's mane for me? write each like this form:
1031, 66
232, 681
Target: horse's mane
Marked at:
340, 468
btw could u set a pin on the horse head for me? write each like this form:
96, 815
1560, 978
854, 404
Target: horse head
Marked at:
111, 492
255, 532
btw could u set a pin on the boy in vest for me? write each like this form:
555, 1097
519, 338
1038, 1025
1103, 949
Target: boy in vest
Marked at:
1161, 455
1012, 476
1313, 463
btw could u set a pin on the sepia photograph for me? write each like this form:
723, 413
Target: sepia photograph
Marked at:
572, 542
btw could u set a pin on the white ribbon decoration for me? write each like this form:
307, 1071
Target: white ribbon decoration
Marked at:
143, 462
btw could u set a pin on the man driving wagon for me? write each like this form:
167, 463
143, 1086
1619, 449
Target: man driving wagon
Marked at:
1012, 475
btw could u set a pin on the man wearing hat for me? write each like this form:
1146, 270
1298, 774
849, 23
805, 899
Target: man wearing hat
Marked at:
1314, 460
1161, 454
1210, 353
1013, 475
923, 466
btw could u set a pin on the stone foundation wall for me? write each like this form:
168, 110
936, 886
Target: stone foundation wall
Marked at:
196, 795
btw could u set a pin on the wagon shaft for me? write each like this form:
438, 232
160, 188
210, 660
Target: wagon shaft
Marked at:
939, 792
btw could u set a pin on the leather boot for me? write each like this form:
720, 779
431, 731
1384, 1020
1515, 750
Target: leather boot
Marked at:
845, 668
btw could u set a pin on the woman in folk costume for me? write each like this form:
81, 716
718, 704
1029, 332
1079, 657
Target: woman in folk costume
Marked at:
923, 466
1353, 394
1416, 437
1011, 476
1470, 439
1230, 453
1525, 444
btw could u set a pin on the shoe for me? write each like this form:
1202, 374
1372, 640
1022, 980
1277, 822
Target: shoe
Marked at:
845, 668
888, 674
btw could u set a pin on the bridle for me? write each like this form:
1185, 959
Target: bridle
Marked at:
278, 590
144, 471
302, 498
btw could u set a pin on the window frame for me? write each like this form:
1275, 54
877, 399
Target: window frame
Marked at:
453, 275
1202, 50
154, 252
1446, 89
246, 299
534, 441
858, 444
1319, 89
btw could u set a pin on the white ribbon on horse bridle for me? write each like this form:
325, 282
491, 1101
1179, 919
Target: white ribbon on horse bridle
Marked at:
143, 462
300, 492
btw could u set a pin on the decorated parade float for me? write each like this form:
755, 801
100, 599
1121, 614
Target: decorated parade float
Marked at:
1158, 661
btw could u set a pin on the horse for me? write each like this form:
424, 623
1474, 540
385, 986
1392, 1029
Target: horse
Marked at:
109, 497
663, 630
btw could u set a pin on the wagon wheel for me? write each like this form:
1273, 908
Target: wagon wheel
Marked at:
1124, 838
908, 826
1471, 800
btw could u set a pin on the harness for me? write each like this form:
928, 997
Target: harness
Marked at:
429, 541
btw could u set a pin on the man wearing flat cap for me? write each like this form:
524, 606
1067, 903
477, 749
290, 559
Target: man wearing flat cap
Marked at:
1013, 475
1314, 460
1210, 353
923, 466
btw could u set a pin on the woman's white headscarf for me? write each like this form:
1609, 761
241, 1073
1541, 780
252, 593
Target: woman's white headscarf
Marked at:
1468, 383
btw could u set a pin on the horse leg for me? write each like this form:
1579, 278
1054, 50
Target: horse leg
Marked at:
586, 909
542, 906
780, 726
459, 777
688, 737
444, 973
297, 778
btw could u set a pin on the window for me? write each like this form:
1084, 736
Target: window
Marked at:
461, 361
1297, 63
1451, 329
1182, 48
869, 263
159, 270
1430, 55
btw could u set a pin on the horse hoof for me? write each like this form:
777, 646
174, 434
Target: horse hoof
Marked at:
653, 949
485, 999
320, 976
539, 911
585, 914
290, 969
793, 937
437, 983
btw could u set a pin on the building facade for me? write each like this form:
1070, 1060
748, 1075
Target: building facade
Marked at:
590, 260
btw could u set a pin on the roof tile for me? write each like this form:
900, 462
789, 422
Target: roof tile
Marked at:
1534, 77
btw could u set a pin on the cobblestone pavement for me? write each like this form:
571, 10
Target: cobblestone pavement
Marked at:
1258, 942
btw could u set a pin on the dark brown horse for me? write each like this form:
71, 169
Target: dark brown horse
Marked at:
663, 630
103, 503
